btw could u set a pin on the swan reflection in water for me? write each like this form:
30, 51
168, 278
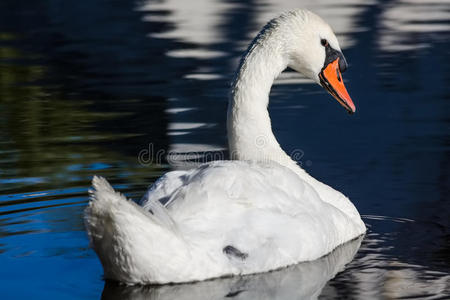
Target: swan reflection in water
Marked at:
302, 281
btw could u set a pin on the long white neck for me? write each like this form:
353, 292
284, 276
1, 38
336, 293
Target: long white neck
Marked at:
250, 135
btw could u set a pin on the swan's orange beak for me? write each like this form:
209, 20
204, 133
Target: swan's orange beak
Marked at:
331, 80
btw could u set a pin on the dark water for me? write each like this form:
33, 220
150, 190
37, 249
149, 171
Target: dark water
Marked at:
110, 87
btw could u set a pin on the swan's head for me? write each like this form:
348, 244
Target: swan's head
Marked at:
314, 51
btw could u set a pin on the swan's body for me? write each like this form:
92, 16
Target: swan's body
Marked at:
257, 213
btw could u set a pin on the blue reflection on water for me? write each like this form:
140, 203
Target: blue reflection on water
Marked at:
85, 86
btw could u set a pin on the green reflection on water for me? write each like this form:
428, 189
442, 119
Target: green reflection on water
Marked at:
50, 136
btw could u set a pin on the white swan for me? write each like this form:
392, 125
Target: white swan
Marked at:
256, 213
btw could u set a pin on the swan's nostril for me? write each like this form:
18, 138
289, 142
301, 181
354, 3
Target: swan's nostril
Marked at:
338, 75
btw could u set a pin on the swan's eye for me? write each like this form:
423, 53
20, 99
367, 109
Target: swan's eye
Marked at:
324, 42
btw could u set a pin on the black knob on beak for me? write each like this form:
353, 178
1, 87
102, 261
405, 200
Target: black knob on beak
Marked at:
342, 63
331, 55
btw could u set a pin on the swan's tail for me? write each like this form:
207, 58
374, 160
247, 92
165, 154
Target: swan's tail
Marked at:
134, 245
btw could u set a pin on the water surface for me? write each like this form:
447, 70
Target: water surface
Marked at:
113, 87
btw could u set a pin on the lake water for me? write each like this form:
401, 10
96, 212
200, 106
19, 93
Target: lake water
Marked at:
131, 89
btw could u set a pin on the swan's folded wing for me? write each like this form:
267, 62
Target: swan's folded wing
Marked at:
161, 193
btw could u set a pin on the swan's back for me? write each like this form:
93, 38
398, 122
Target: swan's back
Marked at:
262, 209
